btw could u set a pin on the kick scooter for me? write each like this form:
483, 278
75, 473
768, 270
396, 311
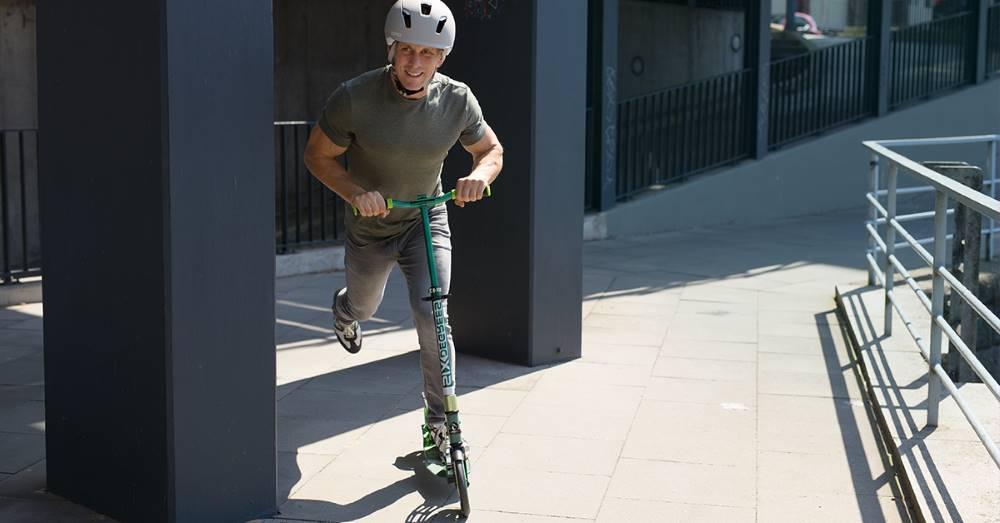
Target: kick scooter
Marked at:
455, 469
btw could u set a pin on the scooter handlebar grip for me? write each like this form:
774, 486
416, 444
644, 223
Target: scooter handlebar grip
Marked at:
388, 205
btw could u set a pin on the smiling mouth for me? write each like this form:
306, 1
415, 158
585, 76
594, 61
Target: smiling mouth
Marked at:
413, 75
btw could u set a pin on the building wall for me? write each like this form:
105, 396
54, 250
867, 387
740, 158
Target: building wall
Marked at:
677, 44
18, 77
825, 174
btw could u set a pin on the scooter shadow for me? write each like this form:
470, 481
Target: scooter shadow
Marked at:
437, 494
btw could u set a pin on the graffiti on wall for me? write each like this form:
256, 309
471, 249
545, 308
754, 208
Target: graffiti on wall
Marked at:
482, 9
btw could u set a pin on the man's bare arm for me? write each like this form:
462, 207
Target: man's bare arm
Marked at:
487, 161
321, 160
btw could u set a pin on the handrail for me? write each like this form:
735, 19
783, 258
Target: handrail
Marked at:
887, 164
976, 200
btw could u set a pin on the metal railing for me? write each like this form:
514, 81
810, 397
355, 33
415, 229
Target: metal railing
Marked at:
20, 239
930, 58
993, 40
670, 134
817, 91
890, 163
307, 213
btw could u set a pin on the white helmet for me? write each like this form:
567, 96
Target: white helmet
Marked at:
422, 22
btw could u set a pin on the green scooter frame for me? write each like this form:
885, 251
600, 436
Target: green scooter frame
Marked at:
458, 471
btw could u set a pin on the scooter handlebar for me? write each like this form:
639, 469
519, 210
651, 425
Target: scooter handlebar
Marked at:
423, 202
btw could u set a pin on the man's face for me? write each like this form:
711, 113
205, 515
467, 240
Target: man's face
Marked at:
415, 64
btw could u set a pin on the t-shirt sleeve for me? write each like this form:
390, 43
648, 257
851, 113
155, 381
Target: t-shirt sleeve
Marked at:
475, 126
335, 120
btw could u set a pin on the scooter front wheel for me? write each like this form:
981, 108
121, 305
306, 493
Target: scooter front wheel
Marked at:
462, 481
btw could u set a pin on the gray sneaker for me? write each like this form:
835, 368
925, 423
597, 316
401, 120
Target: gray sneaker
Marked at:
348, 334
442, 441
439, 434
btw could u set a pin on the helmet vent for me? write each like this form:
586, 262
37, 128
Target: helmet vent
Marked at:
425, 9
406, 18
441, 23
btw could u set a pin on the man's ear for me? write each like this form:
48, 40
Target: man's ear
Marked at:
441, 58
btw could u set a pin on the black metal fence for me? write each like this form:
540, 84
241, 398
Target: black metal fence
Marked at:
677, 132
817, 91
307, 213
993, 40
20, 239
930, 57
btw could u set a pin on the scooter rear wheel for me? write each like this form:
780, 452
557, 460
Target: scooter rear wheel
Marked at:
462, 481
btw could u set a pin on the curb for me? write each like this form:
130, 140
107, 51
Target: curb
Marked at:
309, 261
898, 465
20, 293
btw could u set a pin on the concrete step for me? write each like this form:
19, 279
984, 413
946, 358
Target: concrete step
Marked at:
945, 472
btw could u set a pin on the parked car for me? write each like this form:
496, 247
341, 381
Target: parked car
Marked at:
803, 23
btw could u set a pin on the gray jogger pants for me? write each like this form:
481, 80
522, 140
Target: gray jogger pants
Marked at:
368, 266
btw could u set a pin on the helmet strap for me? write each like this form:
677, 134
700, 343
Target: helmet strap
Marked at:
399, 86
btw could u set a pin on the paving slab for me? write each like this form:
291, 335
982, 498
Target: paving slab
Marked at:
618, 510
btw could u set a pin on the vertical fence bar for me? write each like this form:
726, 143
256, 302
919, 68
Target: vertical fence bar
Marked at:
298, 186
648, 160
725, 119
658, 140
992, 162
619, 156
937, 305
323, 198
708, 116
4, 210
639, 146
632, 130
633, 140
872, 212
823, 63
890, 243
711, 115
310, 185
24, 202
282, 189
684, 98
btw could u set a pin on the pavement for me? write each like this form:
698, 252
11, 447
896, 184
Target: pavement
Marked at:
716, 384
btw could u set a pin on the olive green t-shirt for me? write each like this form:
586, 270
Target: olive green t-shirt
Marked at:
397, 146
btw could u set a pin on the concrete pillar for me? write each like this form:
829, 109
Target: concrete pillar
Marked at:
517, 278
158, 234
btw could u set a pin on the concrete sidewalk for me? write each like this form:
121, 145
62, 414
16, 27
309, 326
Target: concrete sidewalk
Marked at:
716, 385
